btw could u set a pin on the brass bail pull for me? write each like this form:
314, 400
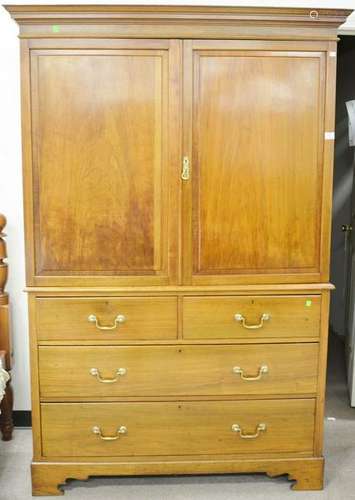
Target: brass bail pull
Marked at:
120, 318
119, 373
263, 369
245, 435
121, 430
264, 317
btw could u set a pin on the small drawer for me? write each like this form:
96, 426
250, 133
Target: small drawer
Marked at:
251, 317
177, 428
139, 371
127, 318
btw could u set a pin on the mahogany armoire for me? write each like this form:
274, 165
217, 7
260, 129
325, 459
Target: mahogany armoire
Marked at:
178, 184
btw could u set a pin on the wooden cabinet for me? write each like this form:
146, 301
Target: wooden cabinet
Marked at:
178, 174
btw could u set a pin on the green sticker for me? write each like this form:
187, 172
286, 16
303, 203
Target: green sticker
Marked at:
308, 303
55, 28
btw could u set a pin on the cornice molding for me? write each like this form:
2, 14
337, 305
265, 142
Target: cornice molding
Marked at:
131, 13
176, 21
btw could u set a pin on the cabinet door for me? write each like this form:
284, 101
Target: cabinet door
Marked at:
106, 163
253, 130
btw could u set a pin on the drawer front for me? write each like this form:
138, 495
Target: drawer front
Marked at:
252, 317
91, 372
128, 318
177, 428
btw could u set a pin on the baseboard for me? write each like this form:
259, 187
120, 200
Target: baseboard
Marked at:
22, 418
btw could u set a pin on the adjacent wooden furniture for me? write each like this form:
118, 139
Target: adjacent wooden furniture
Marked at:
6, 404
178, 183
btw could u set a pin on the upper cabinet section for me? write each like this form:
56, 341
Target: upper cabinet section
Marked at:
117, 99
102, 198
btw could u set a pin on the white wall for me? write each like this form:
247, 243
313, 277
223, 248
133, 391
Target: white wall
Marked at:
10, 168
11, 202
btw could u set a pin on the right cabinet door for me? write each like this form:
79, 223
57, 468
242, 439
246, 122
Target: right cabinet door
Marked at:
254, 135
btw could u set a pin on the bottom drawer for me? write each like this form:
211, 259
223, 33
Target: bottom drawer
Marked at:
177, 428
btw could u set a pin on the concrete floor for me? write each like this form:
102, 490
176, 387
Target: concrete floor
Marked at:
15, 457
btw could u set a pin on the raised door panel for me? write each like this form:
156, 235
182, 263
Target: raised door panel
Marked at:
254, 132
104, 164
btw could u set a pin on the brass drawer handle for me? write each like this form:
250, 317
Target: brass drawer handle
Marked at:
118, 319
121, 430
263, 317
245, 435
119, 373
262, 371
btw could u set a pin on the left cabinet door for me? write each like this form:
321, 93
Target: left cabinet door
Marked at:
102, 181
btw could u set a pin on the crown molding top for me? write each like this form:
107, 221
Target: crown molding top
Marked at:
177, 20
110, 13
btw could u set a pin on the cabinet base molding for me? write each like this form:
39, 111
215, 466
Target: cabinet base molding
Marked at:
48, 477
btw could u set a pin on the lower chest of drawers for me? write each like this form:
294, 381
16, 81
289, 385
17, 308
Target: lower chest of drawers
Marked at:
236, 379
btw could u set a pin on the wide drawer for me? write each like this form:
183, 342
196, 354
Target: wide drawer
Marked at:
126, 318
177, 428
92, 372
251, 317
